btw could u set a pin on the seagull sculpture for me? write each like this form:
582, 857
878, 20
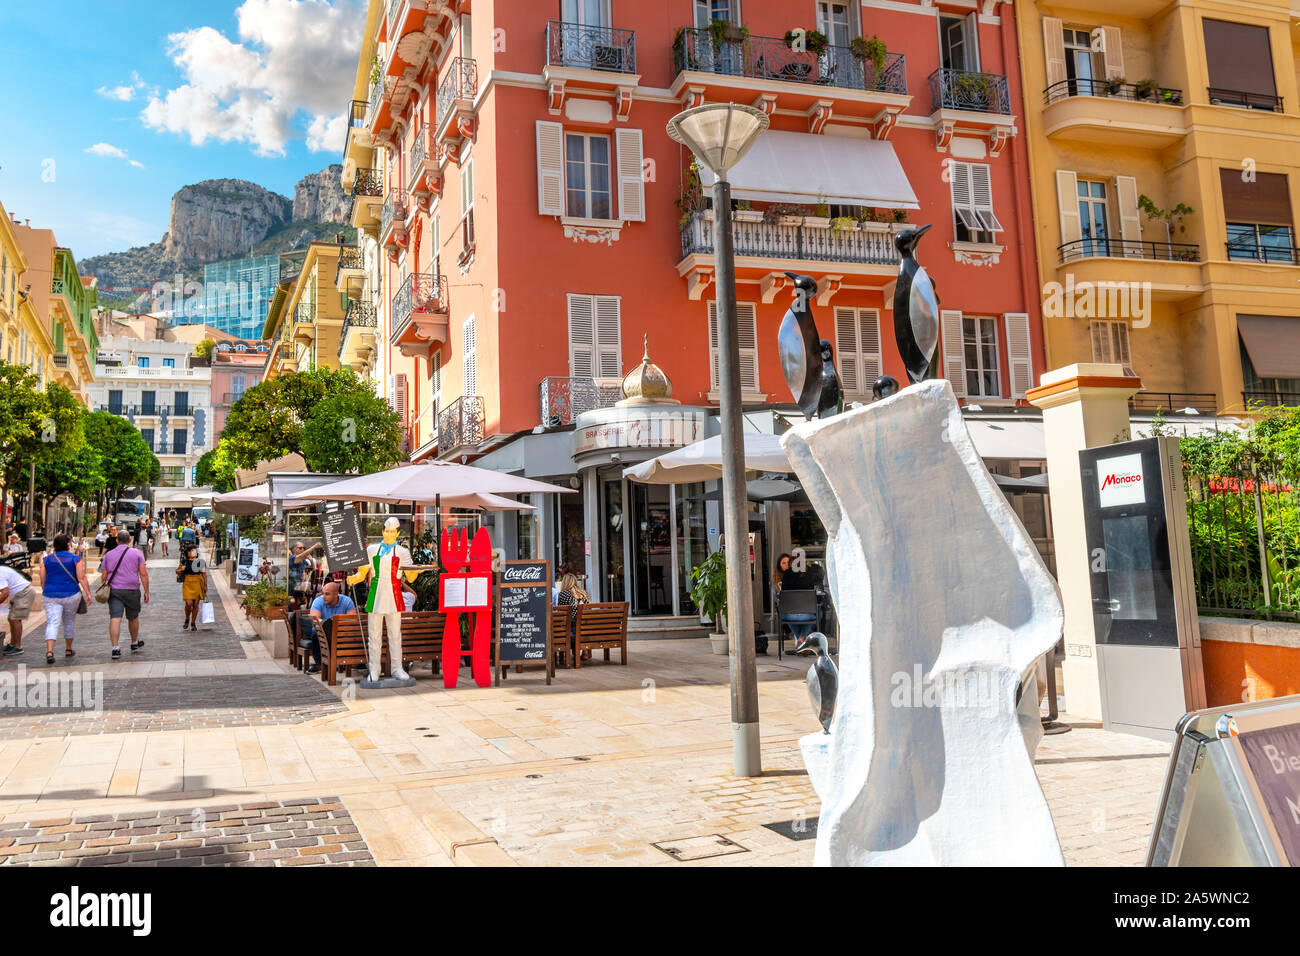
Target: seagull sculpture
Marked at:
823, 678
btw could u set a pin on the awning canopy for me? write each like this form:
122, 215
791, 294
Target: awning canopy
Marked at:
1007, 437
807, 168
702, 461
1273, 344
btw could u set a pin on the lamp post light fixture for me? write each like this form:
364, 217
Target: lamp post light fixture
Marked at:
720, 134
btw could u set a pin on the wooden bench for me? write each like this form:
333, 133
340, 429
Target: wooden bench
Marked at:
345, 647
560, 617
601, 627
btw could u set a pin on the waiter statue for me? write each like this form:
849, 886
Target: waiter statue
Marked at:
384, 605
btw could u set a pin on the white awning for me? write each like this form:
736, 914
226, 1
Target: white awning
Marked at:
702, 461
808, 168
1007, 437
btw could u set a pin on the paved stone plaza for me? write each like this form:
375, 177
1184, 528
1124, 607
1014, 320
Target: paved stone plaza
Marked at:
207, 749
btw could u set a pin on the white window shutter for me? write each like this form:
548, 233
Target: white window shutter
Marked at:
954, 354
631, 185
1130, 224
846, 350
961, 195
391, 392
582, 336
872, 361
608, 339
981, 188
400, 396
550, 168
1054, 49
747, 341
469, 340
713, 345
1067, 198
1019, 357
1112, 53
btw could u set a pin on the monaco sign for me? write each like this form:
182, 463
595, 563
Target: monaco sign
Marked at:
1119, 481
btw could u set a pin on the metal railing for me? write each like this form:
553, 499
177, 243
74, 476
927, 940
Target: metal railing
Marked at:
1140, 92
350, 257
794, 241
1270, 397
369, 182
394, 210
356, 115
1262, 252
377, 91
305, 313
359, 315
419, 152
394, 6
1129, 249
1205, 403
967, 90
1250, 101
590, 47
771, 58
461, 83
564, 399
461, 424
421, 292
62, 360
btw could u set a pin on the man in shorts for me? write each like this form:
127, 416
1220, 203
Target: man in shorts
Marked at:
128, 581
16, 597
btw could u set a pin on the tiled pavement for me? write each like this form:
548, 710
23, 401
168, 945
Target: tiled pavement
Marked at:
596, 768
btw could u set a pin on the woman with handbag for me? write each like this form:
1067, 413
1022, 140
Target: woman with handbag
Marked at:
65, 592
193, 579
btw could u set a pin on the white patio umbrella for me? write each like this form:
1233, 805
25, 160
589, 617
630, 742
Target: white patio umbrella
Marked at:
253, 500
702, 461
428, 483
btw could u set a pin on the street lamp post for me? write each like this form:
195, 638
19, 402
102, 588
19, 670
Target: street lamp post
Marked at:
719, 134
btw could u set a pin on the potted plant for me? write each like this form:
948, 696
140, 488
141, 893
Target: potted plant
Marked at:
1171, 97
709, 592
873, 51
743, 211
692, 198
786, 214
900, 215
975, 89
821, 214
1167, 216
1114, 84
843, 224
1146, 89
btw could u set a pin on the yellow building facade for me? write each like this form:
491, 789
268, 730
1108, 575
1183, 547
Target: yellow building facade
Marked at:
25, 337
305, 318
1163, 143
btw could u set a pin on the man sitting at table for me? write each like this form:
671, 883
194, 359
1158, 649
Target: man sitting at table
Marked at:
329, 603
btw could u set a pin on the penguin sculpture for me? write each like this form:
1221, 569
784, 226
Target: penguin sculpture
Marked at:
823, 678
806, 358
883, 387
916, 308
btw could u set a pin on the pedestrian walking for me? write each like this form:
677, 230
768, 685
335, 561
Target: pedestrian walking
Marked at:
142, 537
127, 576
63, 587
164, 535
193, 577
16, 598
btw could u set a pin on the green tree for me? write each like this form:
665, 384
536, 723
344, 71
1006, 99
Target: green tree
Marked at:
216, 469
79, 475
268, 420
205, 348
126, 457
355, 432
35, 426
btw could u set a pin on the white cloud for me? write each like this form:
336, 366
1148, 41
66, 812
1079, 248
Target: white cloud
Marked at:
136, 163
123, 93
294, 58
106, 149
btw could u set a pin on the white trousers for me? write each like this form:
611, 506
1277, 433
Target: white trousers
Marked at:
375, 623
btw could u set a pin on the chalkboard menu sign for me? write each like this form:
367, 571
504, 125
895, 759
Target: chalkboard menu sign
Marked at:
340, 528
524, 614
1274, 759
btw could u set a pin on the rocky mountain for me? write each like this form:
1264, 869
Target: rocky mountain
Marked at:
222, 219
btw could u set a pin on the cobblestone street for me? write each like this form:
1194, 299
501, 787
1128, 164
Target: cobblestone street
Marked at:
206, 751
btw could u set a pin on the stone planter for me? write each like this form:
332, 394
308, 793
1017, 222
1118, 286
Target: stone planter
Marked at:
718, 643
748, 215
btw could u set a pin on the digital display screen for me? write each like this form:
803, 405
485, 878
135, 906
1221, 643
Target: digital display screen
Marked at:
1130, 577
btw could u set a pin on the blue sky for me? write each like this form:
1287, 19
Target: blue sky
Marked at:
112, 107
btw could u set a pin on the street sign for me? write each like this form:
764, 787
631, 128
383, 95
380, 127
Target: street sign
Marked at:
246, 566
345, 545
524, 615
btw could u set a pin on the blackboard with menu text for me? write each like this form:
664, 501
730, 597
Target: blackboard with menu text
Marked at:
340, 529
523, 632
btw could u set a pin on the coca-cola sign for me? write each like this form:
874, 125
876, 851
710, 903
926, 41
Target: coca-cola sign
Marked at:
524, 573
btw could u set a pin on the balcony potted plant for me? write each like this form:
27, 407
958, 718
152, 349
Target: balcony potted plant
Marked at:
685, 60
709, 592
821, 215
1146, 89
786, 214
974, 90
842, 225
1167, 216
1171, 97
873, 51
1114, 84
743, 211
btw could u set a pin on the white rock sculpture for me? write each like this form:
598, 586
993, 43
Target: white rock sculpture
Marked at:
944, 606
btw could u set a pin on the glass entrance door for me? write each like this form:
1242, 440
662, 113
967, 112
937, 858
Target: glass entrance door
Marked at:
614, 524
652, 562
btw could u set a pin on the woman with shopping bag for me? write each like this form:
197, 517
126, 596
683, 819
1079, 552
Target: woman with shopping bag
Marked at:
192, 575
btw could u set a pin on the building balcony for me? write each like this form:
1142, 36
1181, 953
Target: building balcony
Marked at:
1172, 403
768, 72
967, 90
132, 371
392, 222
1263, 252
1129, 249
419, 316
584, 47
350, 275
358, 135
304, 324
359, 334
1243, 100
461, 425
1117, 114
424, 180
564, 399
1270, 398
455, 124
415, 30
367, 198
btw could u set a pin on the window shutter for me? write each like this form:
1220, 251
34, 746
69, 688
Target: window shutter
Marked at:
399, 395
631, 185
1019, 358
961, 195
468, 357
954, 355
1054, 49
1130, 226
846, 349
872, 366
981, 188
747, 340
1067, 197
391, 393
582, 336
713, 345
550, 168
1110, 344
609, 353
1112, 53
435, 382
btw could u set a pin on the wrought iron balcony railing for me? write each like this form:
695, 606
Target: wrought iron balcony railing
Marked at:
394, 210
305, 314
776, 241
1129, 249
1114, 89
966, 90
394, 7
419, 152
377, 91
590, 47
421, 292
461, 83
1263, 252
771, 58
1204, 403
360, 315
564, 399
62, 360
369, 182
461, 424
350, 257
1250, 101
182, 410
356, 114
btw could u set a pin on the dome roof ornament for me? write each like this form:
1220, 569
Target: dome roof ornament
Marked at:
647, 384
